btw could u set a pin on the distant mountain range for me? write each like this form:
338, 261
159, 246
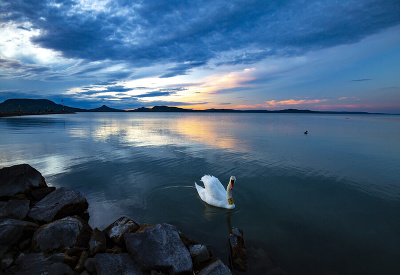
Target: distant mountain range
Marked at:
33, 106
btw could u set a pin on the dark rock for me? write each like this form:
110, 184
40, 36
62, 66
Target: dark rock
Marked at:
238, 250
90, 265
19, 179
19, 197
37, 263
38, 194
7, 260
61, 235
80, 267
215, 268
116, 250
12, 231
199, 253
187, 241
119, 228
14, 209
97, 243
159, 247
3, 250
25, 244
109, 264
59, 204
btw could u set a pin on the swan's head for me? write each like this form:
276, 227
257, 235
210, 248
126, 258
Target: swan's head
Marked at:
232, 181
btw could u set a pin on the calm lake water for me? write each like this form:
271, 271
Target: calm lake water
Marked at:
323, 203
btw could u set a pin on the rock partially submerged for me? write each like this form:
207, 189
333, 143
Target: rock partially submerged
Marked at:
238, 250
159, 246
19, 179
59, 204
215, 268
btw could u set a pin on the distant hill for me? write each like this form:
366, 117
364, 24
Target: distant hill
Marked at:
105, 108
34, 106
162, 109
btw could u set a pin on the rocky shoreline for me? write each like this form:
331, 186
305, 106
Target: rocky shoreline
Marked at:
44, 230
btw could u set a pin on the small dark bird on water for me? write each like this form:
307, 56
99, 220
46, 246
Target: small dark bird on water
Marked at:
306, 132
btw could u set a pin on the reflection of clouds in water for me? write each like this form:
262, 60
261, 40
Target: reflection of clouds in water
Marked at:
183, 129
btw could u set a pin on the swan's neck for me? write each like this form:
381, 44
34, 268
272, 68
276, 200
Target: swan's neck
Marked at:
229, 194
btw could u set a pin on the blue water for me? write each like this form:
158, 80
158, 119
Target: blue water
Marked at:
323, 203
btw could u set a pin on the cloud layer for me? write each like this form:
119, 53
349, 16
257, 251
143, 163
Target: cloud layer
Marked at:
112, 41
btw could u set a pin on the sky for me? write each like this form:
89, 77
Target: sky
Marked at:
274, 55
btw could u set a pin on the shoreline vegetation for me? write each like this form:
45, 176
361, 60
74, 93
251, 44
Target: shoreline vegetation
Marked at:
24, 107
45, 230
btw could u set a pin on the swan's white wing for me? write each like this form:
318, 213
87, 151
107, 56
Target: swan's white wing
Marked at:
201, 191
214, 188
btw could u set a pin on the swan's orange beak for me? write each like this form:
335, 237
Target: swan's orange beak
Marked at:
232, 183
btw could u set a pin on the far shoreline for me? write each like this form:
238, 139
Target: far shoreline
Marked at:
14, 114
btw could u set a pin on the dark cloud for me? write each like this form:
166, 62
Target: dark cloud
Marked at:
191, 33
14, 68
361, 79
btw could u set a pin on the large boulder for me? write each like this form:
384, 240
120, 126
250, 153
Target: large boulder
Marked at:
119, 228
109, 264
37, 263
215, 268
12, 231
238, 250
14, 209
19, 179
159, 247
62, 235
59, 204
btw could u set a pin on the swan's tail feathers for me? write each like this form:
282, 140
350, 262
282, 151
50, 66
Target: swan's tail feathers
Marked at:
200, 190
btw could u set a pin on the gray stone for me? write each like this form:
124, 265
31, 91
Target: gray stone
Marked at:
11, 231
19, 179
15, 209
216, 268
97, 243
119, 228
90, 265
109, 264
238, 250
199, 253
61, 235
159, 247
59, 204
37, 263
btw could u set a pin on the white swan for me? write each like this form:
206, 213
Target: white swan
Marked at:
214, 193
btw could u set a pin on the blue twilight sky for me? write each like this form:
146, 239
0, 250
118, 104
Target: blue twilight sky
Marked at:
318, 55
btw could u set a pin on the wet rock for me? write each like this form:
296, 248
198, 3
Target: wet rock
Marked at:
19, 179
12, 231
3, 250
108, 264
97, 243
80, 267
199, 253
119, 228
59, 204
61, 235
37, 263
159, 247
238, 250
38, 194
215, 268
14, 209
